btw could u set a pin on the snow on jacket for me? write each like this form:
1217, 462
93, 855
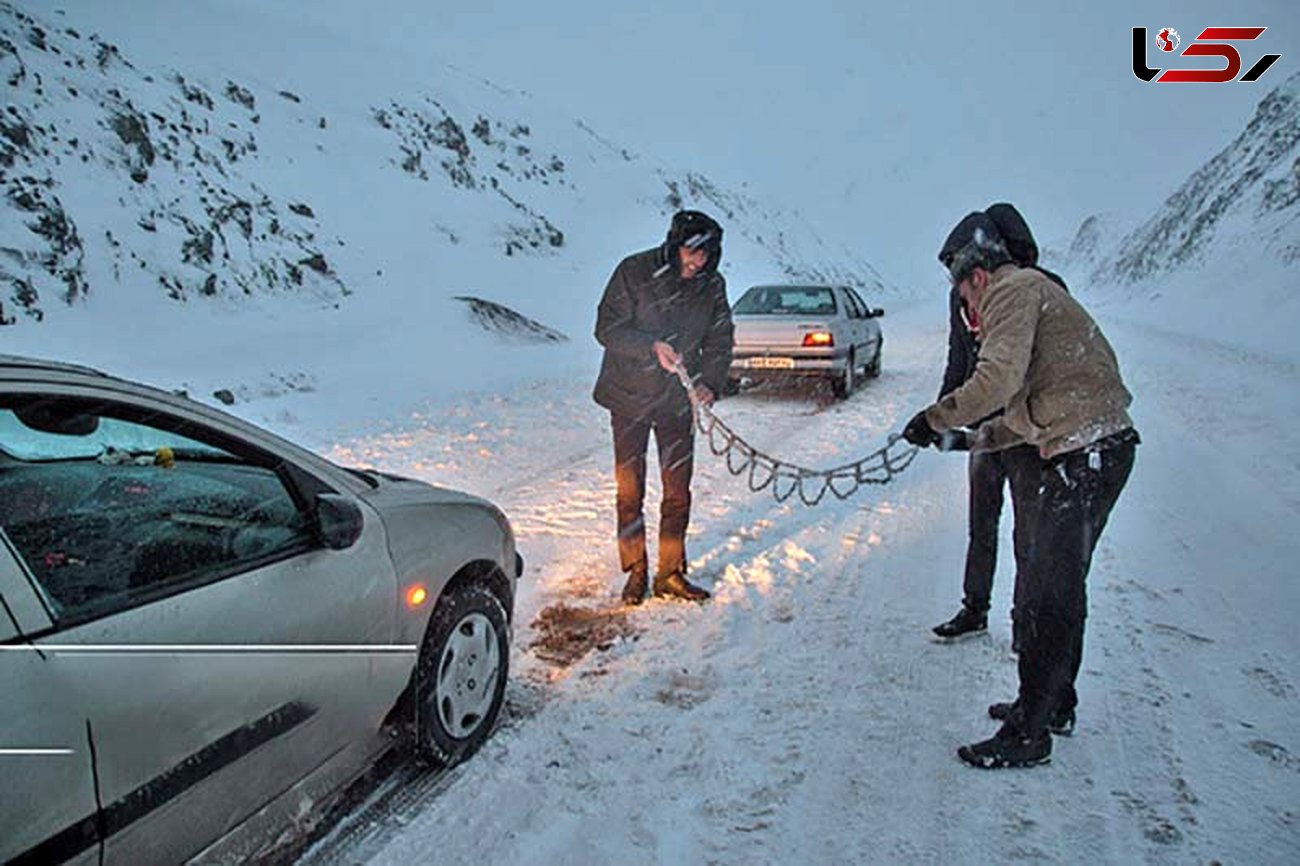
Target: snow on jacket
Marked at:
640, 308
1044, 359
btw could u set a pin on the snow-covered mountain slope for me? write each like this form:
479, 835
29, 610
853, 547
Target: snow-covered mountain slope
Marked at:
1082, 252
165, 186
1251, 186
120, 176
1231, 230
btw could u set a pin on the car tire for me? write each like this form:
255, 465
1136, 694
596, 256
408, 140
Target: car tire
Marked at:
873, 369
731, 388
461, 678
844, 383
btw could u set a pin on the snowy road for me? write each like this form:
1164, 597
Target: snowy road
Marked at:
805, 714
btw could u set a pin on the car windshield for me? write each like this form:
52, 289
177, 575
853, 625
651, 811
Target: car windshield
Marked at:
109, 436
786, 300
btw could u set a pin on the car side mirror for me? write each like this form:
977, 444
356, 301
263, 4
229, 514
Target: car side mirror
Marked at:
339, 521
877, 312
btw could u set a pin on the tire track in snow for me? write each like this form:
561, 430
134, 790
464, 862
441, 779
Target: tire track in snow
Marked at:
1180, 684
804, 620
557, 505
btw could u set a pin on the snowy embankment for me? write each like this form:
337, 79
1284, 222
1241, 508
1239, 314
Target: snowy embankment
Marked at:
805, 714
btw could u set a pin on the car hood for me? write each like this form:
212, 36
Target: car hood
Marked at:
395, 491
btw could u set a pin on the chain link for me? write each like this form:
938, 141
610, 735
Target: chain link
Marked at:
762, 470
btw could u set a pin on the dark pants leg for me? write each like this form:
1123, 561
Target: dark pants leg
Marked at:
1076, 499
674, 438
986, 476
630, 440
1023, 467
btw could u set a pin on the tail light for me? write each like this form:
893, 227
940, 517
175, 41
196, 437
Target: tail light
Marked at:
818, 340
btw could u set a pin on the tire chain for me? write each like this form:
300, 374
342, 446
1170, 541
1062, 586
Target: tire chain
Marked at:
762, 470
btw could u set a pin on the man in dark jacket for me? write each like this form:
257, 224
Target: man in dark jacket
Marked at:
663, 308
1044, 361
990, 471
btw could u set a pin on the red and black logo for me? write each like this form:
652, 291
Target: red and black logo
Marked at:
1213, 42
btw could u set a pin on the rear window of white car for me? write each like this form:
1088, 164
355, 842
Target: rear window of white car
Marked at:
786, 300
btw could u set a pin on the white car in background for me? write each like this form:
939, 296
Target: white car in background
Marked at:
824, 332
207, 631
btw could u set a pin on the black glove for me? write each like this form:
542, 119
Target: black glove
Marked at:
956, 439
919, 432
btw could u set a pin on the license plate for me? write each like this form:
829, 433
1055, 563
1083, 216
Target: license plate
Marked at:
772, 363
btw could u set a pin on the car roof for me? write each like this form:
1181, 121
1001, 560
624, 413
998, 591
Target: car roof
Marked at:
793, 286
24, 362
22, 369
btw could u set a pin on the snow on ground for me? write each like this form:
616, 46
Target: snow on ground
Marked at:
805, 714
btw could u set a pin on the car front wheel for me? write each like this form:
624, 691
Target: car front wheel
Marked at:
873, 369
462, 673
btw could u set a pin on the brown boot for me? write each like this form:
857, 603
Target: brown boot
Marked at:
676, 586
634, 589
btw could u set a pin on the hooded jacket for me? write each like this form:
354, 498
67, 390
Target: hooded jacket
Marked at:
647, 301
1042, 357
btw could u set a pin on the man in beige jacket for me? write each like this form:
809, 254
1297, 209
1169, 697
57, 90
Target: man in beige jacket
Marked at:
1044, 360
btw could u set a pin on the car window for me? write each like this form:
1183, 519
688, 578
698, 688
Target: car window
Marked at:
786, 300
131, 511
854, 308
855, 298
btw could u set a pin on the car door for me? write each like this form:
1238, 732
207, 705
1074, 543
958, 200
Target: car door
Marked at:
870, 328
193, 612
854, 319
47, 799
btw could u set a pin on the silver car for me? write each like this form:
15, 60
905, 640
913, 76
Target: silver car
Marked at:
206, 631
819, 331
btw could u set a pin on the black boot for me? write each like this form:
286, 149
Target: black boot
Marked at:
1009, 747
634, 589
676, 586
1061, 722
966, 622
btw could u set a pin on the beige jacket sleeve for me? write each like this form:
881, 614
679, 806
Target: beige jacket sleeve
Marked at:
1009, 315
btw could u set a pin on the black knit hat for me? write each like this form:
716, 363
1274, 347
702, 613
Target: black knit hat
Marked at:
1015, 233
974, 243
697, 230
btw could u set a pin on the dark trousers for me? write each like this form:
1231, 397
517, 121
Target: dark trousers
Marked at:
989, 472
1079, 490
674, 437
